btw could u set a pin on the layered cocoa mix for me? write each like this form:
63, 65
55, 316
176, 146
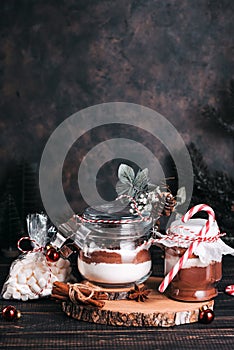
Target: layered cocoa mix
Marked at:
116, 249
110, 257
115, 267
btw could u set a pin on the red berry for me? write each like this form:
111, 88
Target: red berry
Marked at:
206, 316
52, 255
10, 313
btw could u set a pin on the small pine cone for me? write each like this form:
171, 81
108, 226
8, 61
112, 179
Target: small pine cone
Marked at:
169, 205
158, 206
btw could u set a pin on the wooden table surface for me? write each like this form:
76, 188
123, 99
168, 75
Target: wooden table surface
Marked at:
44, 325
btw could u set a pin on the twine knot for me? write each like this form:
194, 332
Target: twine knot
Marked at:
75, 293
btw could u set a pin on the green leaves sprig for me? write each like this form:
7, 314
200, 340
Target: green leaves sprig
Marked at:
150, 198
131, 184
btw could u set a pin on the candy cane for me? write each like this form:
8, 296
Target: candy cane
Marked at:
211, 218
230, 290
197, 208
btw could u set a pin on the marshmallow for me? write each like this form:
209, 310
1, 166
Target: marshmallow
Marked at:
16, 266
38, 274
21, 278
24, 289
33, 296
42, 282
14, 273
16, 295
10, 289
33, 276
35, 288
31, 281
55, 270
6, 295
46, 292
27, 272
12, 280
53, 278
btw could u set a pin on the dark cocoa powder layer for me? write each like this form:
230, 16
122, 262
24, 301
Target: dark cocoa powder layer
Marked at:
100, 256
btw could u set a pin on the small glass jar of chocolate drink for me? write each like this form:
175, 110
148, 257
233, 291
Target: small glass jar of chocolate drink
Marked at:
115, 248
198, 278
195, 281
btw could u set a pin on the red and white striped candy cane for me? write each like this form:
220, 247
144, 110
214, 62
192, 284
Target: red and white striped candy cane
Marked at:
196, 209
230, 290
211, 218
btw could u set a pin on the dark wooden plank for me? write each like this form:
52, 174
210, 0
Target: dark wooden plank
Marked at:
44, 326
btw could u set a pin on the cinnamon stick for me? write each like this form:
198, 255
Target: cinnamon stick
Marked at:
59, 297
60, 288
63, 289
60, 291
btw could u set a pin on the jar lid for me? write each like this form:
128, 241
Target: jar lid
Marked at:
115, 216
191, 229
109, 212
181, 234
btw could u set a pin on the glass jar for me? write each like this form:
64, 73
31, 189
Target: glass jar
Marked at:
114, 253
198, 278
195, 281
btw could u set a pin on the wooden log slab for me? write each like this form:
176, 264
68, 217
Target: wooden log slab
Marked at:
156, 311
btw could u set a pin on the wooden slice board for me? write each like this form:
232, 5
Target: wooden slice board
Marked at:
157, 311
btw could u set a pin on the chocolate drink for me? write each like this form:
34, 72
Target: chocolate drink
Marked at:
194, 282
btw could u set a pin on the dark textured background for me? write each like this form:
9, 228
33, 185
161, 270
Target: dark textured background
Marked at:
58, 57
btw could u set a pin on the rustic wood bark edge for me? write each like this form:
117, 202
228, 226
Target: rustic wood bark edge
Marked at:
136, 319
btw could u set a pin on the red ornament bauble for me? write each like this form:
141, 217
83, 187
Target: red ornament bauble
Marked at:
52, 255
10, 313
230, 290
206, 316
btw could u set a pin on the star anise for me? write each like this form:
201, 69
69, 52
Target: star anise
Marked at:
138, 293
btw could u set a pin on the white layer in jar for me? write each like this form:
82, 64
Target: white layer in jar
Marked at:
120, 266
114, 273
